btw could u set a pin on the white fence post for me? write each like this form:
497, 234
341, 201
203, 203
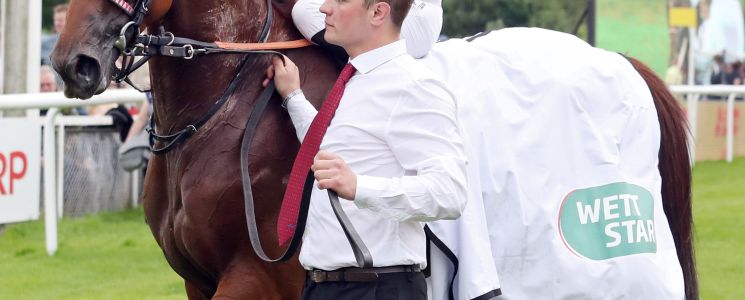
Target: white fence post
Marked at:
730, 127
694, 93
50, 193
60, 170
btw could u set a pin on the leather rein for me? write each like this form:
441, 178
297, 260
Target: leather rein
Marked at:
166, 44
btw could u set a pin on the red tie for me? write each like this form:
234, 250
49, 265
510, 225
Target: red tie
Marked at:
308, 149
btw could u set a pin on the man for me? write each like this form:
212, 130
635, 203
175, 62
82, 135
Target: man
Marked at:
48, 42
47, 82
393, 149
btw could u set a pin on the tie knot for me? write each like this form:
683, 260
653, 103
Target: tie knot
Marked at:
347, 72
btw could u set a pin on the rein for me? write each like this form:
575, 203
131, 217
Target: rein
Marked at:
166, 44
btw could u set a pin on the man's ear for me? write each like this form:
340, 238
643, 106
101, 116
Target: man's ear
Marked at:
381, 13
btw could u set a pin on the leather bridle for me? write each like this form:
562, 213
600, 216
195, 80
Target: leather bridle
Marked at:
166, 44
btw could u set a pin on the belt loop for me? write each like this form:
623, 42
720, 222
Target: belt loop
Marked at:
341, 276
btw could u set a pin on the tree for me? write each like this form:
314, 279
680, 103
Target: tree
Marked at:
467, 17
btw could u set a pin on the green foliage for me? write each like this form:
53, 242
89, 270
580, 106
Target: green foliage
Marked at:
47, 13
467, 17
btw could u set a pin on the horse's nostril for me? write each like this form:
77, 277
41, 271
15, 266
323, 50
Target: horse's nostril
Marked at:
88, 69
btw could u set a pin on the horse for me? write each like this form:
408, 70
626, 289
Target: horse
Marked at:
193, 195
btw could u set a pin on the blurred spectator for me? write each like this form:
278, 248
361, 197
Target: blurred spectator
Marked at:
47, 83
48, 41
719, 73
721, 33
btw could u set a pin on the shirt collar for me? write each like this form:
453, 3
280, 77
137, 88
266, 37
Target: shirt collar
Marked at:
370, 60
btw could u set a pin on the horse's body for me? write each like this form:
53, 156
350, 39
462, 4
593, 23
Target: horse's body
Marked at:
193, 196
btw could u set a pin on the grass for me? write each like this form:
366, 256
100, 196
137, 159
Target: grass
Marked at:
113, 256
108, 256
719, 216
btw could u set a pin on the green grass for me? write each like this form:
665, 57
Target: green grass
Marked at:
113, 256
636, 28
719, 216
108, 256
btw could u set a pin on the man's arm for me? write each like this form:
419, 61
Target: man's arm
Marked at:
425, 139
424, 136
287, 81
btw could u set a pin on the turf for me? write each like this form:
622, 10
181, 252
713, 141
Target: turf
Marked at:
113, 256
719, 216
108, 256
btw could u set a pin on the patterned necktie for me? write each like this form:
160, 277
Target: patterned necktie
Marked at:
304, 160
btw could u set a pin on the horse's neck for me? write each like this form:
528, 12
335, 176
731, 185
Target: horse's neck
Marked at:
185, 89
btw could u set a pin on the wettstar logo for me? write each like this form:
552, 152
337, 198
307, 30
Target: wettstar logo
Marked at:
608, 221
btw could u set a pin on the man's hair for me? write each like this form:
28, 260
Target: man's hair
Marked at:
60, 8
399, 9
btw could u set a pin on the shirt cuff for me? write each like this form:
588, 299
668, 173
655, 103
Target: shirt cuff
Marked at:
369, 188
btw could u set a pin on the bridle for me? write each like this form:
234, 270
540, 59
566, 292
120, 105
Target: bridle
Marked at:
131, 43
166, 44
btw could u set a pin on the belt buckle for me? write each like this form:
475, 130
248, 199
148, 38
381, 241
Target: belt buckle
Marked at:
318, 276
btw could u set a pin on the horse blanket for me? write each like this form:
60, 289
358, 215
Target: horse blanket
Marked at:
565, 202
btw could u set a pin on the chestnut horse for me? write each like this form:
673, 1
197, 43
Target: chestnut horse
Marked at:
193, 194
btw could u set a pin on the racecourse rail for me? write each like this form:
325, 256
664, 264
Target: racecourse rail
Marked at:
53, 164
54, 101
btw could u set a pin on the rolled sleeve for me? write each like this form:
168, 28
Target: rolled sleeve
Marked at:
424, 136
301, 113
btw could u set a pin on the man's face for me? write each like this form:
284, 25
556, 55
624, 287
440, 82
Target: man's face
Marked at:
47, 83
347, 21
59, 21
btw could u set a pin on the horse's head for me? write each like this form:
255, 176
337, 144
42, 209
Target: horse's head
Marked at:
85, 54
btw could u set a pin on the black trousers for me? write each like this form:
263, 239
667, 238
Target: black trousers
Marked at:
391, 286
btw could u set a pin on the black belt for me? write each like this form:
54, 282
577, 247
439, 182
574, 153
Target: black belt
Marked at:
358, 274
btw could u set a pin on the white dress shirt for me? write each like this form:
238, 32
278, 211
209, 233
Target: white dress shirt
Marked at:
421, 27
396, 128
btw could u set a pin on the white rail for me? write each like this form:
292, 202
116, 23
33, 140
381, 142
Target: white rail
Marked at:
693, 94
53, 177
46, 100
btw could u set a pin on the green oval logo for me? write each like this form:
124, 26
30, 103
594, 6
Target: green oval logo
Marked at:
608, 221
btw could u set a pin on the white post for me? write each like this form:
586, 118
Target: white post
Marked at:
692, 111
3, 9
136, 175
730, 126
60, 169
33, 44
50, 202
692, 99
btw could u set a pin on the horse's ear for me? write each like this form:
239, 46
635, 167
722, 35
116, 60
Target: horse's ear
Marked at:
158, 10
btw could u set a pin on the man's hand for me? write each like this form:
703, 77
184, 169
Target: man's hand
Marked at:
332, 172
285, 74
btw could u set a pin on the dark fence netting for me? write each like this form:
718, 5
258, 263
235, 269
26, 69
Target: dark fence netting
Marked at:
93, 180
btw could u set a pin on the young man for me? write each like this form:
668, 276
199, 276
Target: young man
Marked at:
421, 27
48, 42
393, 149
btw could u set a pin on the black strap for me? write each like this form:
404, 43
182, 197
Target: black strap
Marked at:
361, 253
250, 211
174, 139
431, 237
447, 252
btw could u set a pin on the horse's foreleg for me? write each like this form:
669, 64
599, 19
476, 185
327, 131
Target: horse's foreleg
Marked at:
251, 280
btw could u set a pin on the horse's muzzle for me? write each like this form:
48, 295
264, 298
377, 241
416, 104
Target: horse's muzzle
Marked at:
82, 76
